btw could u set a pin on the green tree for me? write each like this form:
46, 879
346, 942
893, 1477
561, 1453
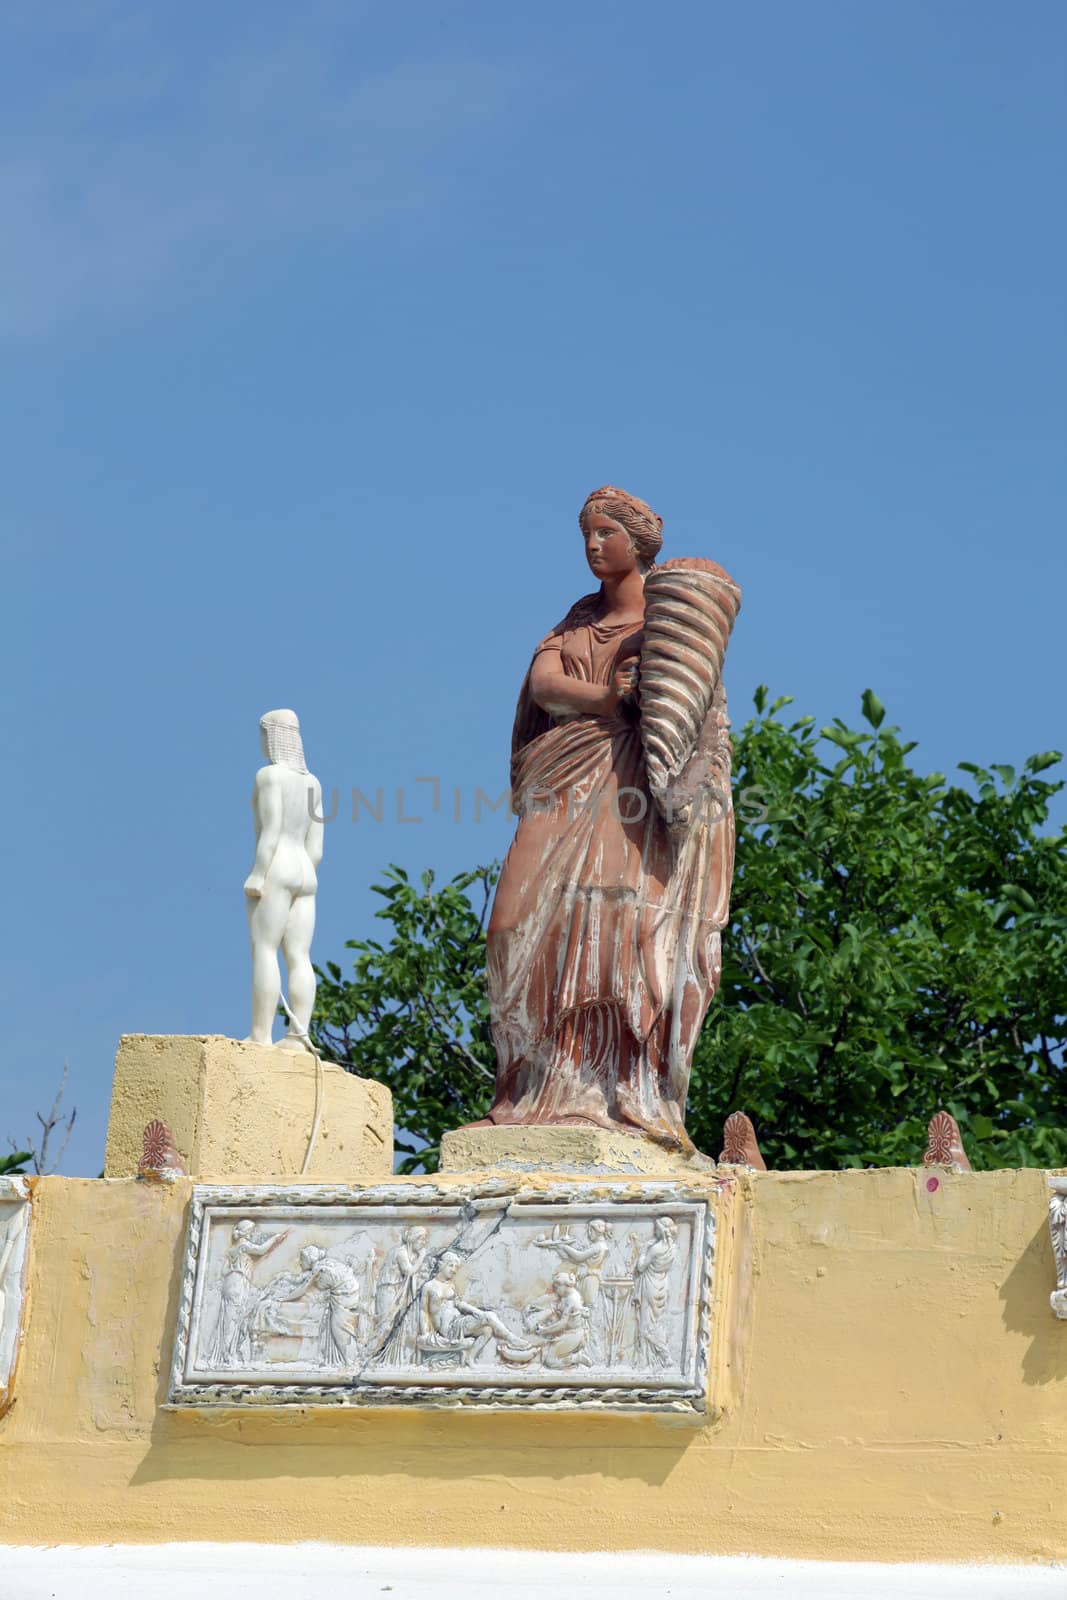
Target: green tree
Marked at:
898, 945
414, 1012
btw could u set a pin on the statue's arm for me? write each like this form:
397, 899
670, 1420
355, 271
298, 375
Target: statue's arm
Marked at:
431, 1308
579, 1253
259, 1247
561, 696
314, 838
267, 808
302, 1287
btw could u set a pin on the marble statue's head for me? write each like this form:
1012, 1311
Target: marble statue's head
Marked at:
610, 509
666, 1228
243, 1229
449, 1264
311, 1255
564, 1279
279, 738
416, 1237
597, 1229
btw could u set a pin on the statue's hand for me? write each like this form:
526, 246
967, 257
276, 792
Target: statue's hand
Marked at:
625, 678
254, 886
622, 686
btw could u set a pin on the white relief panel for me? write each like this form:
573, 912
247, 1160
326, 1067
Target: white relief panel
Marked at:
413, 1294
14, 1230
1057, 1221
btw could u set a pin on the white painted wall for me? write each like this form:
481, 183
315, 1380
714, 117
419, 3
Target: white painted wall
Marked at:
313, 1571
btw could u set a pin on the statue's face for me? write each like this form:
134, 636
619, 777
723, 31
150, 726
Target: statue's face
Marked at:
608, 548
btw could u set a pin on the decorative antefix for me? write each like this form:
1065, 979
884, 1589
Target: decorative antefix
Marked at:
490, 1295
944, 1144
160, 1157
14, 1227
740, 1147
1057, 1221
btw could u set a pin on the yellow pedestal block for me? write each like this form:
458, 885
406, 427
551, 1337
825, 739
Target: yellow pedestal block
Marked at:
245, 1112
544, 1148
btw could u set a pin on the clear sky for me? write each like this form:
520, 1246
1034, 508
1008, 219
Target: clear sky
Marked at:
317, 324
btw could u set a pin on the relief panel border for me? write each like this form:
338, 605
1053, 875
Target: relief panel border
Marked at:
471, 1199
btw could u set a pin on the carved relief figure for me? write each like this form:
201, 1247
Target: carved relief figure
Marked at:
454, 1327
603, 943
14, 1223
652, 1271
280, 890
9, 1234
232, 1341
396, 1296
558, 1326
339, 1286
1057, 1221
588, 1259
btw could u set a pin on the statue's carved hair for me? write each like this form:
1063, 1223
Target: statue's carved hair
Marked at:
639, 520
281, 734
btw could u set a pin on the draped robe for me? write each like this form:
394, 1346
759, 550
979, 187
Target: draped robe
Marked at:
604, 938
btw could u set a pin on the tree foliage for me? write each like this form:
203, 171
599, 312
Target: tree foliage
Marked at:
414, 1012
898, 945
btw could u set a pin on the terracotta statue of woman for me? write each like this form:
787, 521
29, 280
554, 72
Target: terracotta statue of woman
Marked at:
603, 943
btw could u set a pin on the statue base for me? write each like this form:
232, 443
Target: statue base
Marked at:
547, 1148
246, 1111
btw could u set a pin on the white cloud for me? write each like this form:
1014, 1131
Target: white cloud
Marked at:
135, 140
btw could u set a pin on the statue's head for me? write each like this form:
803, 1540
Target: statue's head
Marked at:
666, 1229
564, 1279
279, 737
621, 532
311, 1255
416, 1237
243, 1229
448, 1265
597, 1228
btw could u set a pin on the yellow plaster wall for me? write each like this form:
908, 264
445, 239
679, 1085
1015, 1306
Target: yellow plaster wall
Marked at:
892, 1384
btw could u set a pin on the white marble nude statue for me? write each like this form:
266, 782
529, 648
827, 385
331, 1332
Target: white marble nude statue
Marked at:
280, 890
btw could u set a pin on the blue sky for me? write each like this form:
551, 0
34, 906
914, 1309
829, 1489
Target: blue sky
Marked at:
318, 323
